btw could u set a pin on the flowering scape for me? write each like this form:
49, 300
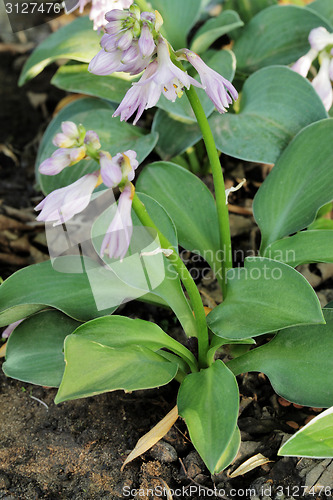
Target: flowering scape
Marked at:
132, 43
62, 204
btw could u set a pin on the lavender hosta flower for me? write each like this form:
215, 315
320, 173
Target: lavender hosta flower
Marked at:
118, 169
320, 38
303, 64
62, 204
117, 239
69, 136
219, 90
160, 77
61, 159
322, 81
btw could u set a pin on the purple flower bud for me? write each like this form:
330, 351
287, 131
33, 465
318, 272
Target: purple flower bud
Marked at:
148, 16
117, 14
119, 233
105, 63
10, 328
125, 40
146, 42
219, 90
110, 169
92, 139
62, 204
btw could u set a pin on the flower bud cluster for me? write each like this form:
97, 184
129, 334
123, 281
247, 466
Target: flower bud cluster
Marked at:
64, 203
321, 43
74, 144
132, 43
128, 43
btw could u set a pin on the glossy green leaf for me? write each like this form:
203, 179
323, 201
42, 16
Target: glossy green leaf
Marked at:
248, 9
190, 205
302, 248
323, 8
119, 331
299, 184
142, 271
178, 19
298, 362
276, 103
222, 61
35, 287
34, 351
208, 401
266, 289
276, 35
313, 440
214, 28
76, 40
76, 78
93, 368
115, 137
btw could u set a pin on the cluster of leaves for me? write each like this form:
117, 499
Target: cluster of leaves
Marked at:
281, 120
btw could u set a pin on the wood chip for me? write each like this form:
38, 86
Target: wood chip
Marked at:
250, 464
153, 436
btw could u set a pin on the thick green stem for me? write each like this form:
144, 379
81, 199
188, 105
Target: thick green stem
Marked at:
186, 278
222, 207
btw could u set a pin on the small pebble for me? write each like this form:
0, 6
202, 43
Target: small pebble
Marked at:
163, 452
4, 481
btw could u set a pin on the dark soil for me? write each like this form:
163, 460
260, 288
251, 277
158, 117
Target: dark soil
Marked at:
75, 450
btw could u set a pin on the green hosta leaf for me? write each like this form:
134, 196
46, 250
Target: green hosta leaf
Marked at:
93, 368
119, 331
77, 40
313, 440
323, 8
76, 78
276, 103
178, 17
35, 349
299, 184
276, 35
115, 137
141, 271
247, 9
175, 134
298, 362
208, 401
35, 287
190, 205
263, 297
303, 248
222, 61
214, 28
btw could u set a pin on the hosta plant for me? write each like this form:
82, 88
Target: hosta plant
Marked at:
104, 253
